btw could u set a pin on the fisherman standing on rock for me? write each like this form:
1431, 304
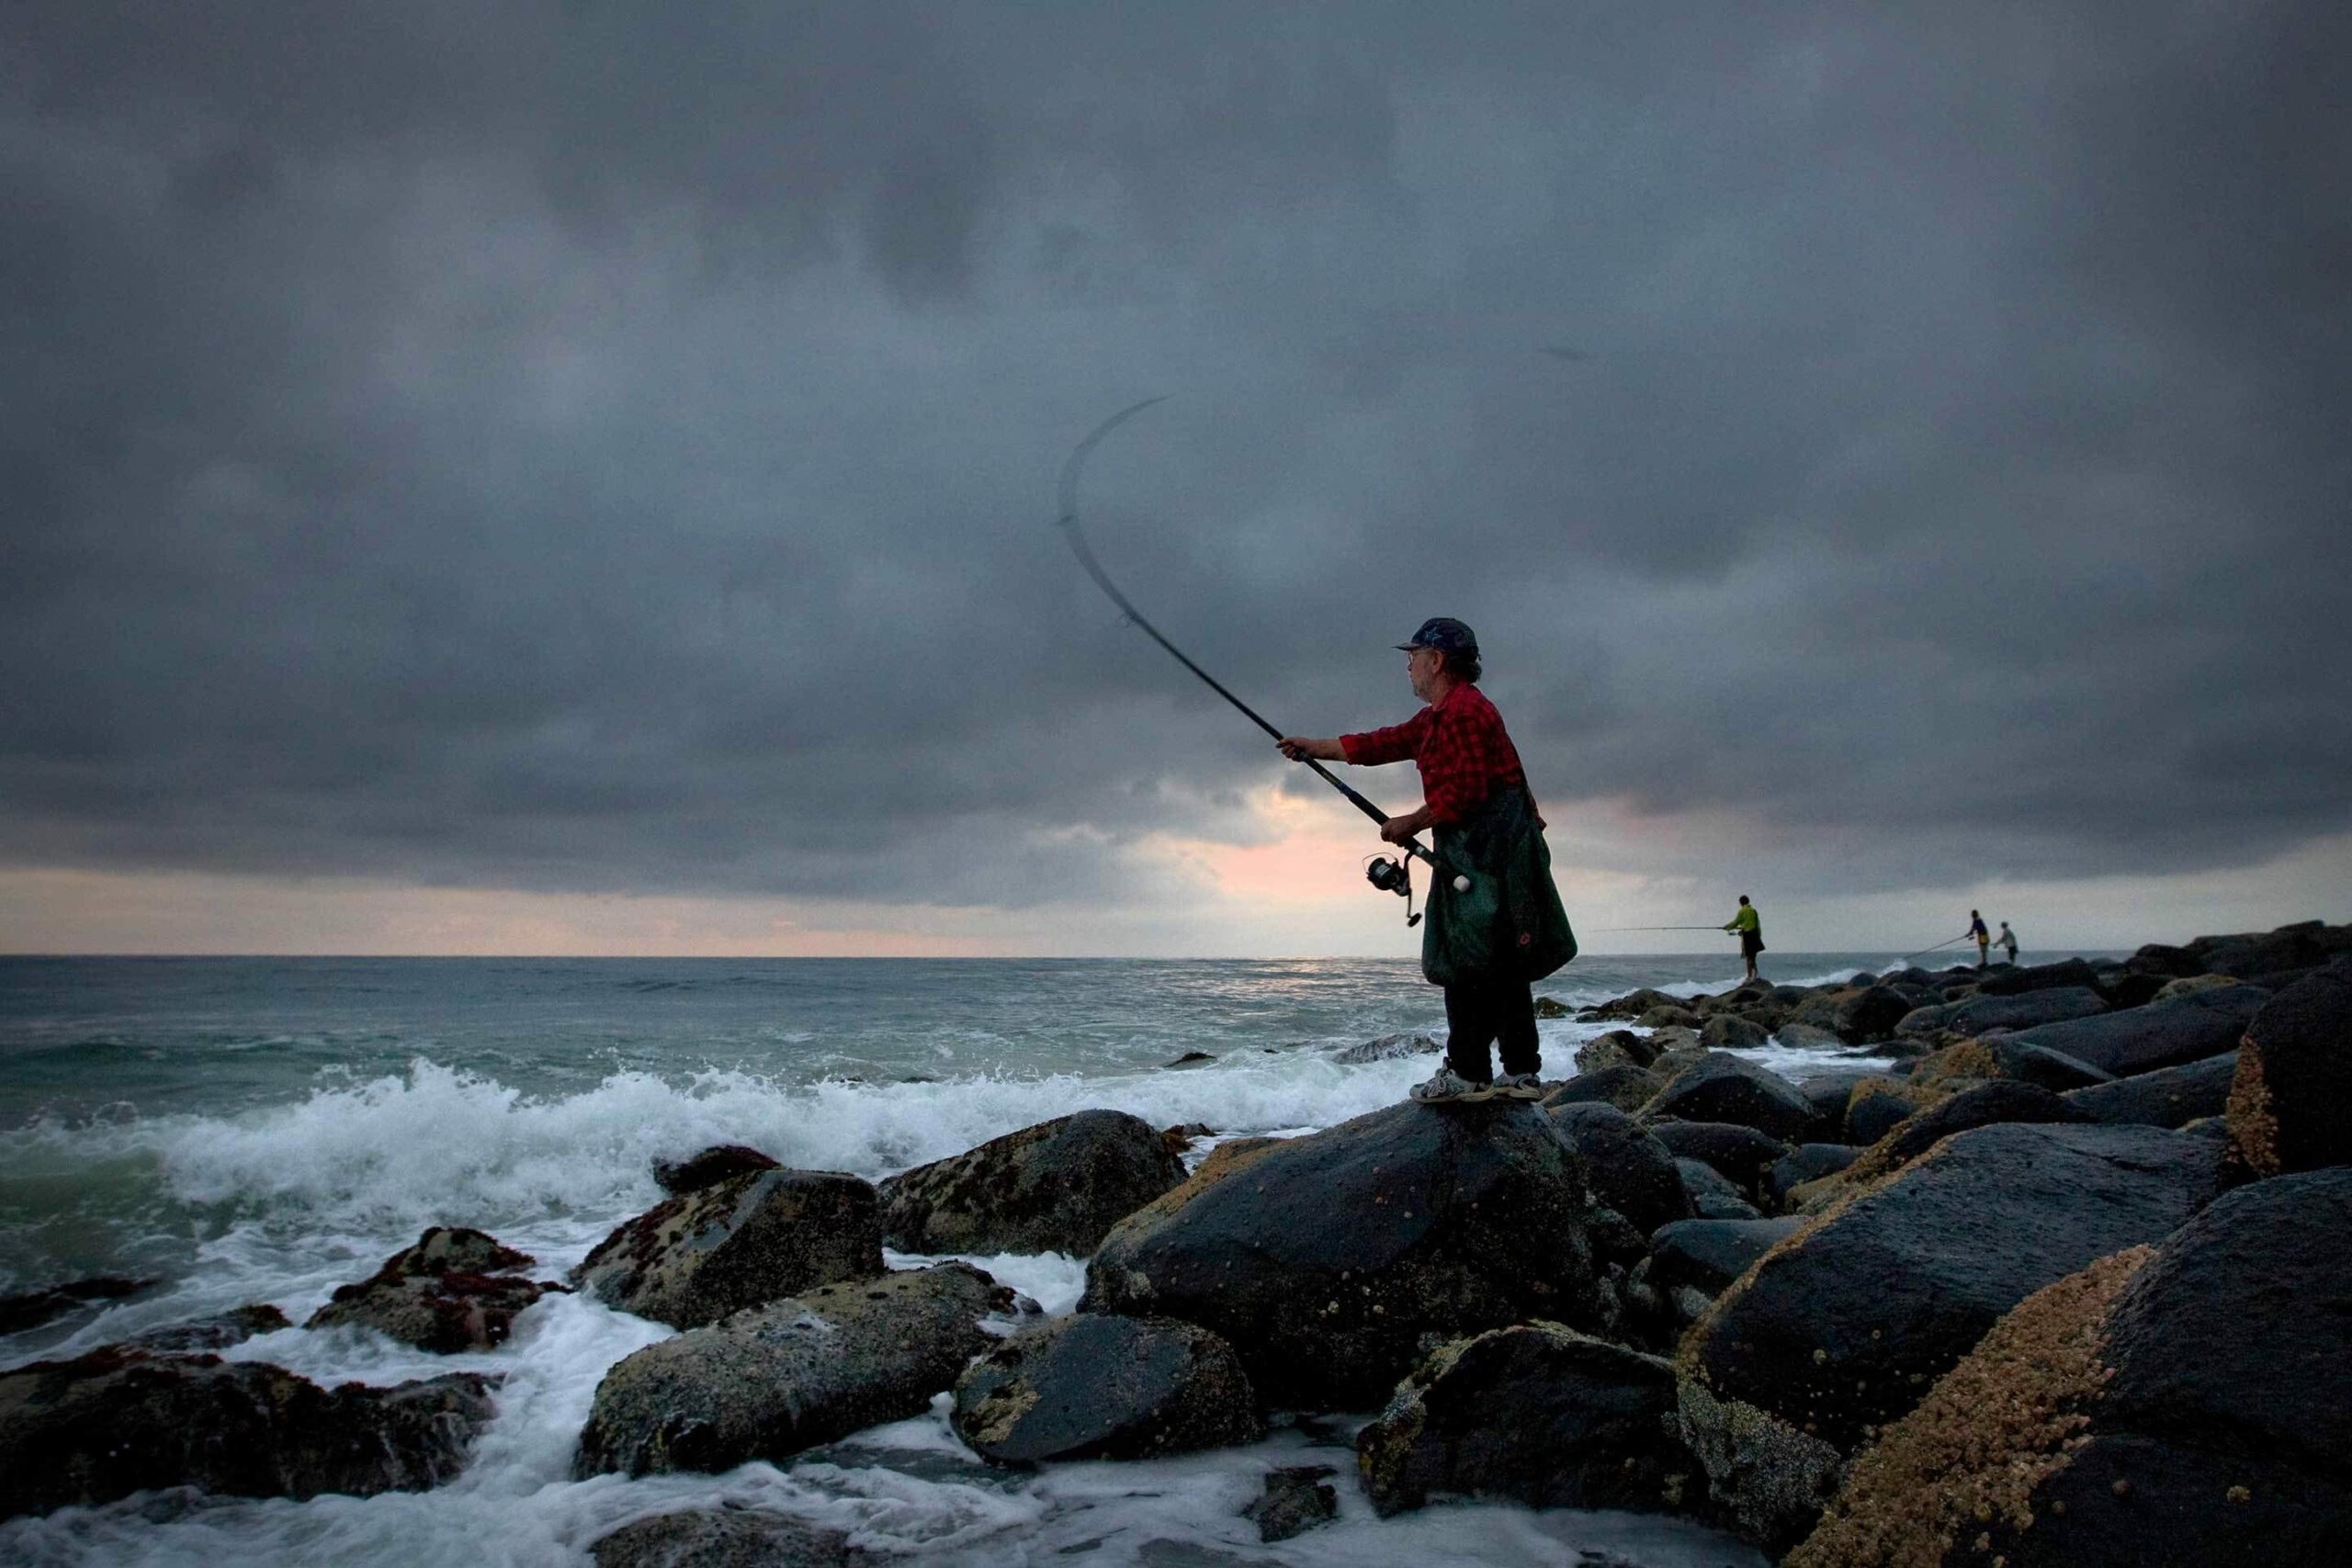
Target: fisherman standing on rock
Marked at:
1485, 945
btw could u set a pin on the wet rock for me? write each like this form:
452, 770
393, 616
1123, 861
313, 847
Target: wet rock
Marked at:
1536, 1414
1827, 1094
1629, 1170
1178, 1140
2172, 989
2162, 1034
1869, 1012
739, 1241
120, 1420
1618, 1048
1091, 1386
1297, 1498
713, 1165
2173, 1404
1712, 1195
770, 1382
724, 1537
2005, 1056
1055, 1187
1807, 1162
1844, 1326
1627, 1089
1742, 1156
1673, 1016
1632, 1005
1725, 1087
1982, 1015
1708, 1255
1729, 1032
30, 1309
215, 1333
439, 1294
2290, 1099
1809, 1037
1387, 1048
1551, 1007
1325, 1259
2169, 1096
1188, 1059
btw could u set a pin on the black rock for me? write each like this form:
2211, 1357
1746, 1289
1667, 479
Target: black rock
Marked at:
1729, 1032
2003, 1099
2009, 981
1725, 1087
30, 1309
1618, 1048
1089, 1386
2183, 1405
1055, 1187
739, 1241
1807, 1162
1629, 1170
1842, 1329
1324, 1259
215, 1333
1536, 1414
2290, 1103
118, 1421
1708, 1255
2162, 1034
2169, 1096
1297, 1498
1982, 1014
1387, 1048
1741, 1155
1627, 1089
440, 1294
768, 1382
1870, 1013
714, 1164
1712, 1195
1188, 1058
1877, 1107
724, 1537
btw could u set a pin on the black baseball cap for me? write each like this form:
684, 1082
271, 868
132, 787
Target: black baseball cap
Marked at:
1443, 633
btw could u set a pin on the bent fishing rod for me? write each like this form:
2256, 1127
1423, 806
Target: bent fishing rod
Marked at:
1382, 874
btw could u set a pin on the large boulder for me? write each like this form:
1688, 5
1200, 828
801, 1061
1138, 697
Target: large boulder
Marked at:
1706, 1256
1742, 1156
1807, 1162
1629, 1170
2175, 1404
1729, 1032
2162, 1034
1869, 1013
1092, 1387
724, 1537
120, 1420
454, 1289
2005, 1056
1536, 1414
1725, 1087
2169, 1096
1843, 1328
1055, 1187
767, 1382
1982, 1015
1809, 1037
739, 1242
1325, 1259
2291, 1101
1617, 1048
30, 1309
1626, 1087
1713, 1195
217, 1332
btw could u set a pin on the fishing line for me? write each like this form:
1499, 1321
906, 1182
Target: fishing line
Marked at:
1067, 522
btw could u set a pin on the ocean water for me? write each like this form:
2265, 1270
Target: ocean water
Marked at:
264, 1130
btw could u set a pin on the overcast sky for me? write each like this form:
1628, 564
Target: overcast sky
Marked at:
579, 477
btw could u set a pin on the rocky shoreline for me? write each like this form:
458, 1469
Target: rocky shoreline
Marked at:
2058, 1276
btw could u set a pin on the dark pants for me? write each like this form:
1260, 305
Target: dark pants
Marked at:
1479, 1012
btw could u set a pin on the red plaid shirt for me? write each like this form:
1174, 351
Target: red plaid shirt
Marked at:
1464, 752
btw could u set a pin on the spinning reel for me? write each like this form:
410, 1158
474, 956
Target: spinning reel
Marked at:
1397, 877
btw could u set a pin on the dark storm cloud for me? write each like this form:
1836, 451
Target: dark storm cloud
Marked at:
612, 447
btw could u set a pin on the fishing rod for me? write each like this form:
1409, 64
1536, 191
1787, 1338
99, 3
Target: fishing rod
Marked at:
1939, 947
1599, 929
1382, 872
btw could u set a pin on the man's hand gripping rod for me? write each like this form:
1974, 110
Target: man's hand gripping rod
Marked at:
1067, 522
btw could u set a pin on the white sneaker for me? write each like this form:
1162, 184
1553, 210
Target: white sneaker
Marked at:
1447, 1086
1520, 1086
